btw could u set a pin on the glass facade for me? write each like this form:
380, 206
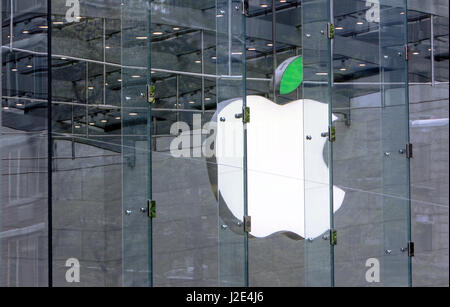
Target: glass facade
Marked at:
212, 143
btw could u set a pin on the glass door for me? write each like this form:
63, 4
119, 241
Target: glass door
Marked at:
136, 143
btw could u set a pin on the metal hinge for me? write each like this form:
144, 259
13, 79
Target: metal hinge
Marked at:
331, 134
247, 224
409, 150
330, 30
245, 115
151, 93
407, 51
151, 208
245, 7
333, 236
411, 249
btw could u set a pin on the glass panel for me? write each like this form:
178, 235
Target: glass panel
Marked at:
317, 150
184, 176
136, 143
395, 136
24, 143
275, 156
230, 143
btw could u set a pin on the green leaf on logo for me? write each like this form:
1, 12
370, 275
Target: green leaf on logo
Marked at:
292, 76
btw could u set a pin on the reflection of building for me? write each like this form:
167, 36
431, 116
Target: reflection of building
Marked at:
102, 173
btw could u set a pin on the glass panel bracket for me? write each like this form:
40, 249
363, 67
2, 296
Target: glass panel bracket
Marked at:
247, 224
245, 7
151, 93
333, 236
330, 30
151, 209
245, 115
331, 134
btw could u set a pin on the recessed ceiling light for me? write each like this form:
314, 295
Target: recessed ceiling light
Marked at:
141, 37
251, 49
339, 28
321, 73
5, 108
269, 45
416, 53
135, 76
63, 58
117, 117
342, 69
207, 98
132, 114
103, 121
43, 27
153, 72
120, 80
263, 5
58, 22
90, 87
175, 28
77, 126
236, 53
213, 58
402, 13
198, 61
91, 124
29, 66
191, 102
283, 1
25, 31
359, 22
107, 47
13, 69
362, 65
158, 33
19, 104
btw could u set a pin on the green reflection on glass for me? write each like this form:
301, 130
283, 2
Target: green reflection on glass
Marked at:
292, 77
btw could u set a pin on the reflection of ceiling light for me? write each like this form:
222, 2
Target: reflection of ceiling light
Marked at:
107, 47
132, 114
90, 87
43, 27
362, 65
191, 102
263, 5
207, 99
117, 117
269, 45
13, 69
29, 66
359, 23
141, 37
251, 49
104, 121
342, 69
58, 22
213, 58
402, 13
19, 104
5, 108
283, 1
135, 76
91, 124
175, 28
77, 126
25, 31
198, 61
321, 74
158, 33
63, 58
416, 53
237, 53
120, 80
339, 28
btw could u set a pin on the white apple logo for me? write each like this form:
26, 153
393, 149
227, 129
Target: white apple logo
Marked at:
275, 155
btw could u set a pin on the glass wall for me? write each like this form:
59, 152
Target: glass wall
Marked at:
223, 143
